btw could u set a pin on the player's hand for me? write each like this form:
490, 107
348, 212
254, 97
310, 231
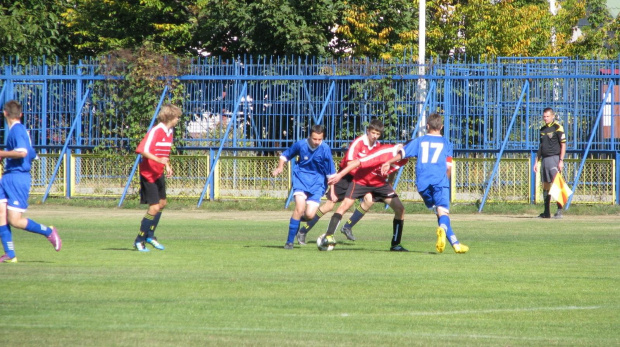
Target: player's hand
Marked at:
334, 179
164, 161
332, 194
385, 168
168, 171
561, 166
536, 168
277, 171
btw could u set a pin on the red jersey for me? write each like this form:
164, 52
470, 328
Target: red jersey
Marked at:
369, 171
359, 148
158, 141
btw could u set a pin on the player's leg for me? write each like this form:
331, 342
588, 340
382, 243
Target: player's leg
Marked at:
17, 188
156, 210
6, 236
149, 194
397, 224
298, 213
441, 197
328, 238
321, 211
357, 215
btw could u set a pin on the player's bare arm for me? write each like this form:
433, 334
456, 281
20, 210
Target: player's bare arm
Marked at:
385, 168
350, 166
279, 169
13, 154
153, 157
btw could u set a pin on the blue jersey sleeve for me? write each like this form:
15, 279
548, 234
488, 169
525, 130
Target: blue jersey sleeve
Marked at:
293, 151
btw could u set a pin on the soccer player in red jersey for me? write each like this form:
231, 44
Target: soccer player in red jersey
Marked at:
155, 150
369, 179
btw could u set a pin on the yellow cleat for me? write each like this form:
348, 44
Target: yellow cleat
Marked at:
460, 248
5, 259
330, 240
441, 240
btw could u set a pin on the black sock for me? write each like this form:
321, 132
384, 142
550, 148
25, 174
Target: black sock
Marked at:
151, 232
333, 223
547, 202
398, 231
145, 227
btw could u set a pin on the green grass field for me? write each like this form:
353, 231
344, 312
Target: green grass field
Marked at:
224, 280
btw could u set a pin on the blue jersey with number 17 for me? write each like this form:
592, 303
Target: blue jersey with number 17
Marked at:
433, 153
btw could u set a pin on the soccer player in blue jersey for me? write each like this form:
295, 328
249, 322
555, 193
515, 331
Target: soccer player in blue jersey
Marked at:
15, 185
314, 166
432, 169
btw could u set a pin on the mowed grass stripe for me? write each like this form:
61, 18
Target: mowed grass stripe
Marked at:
224, 279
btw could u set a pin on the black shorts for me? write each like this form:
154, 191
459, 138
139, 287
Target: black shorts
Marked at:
357, 191
341, 188
549, 168
151, 193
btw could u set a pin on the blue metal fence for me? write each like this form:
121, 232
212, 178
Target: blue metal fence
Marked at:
486, 111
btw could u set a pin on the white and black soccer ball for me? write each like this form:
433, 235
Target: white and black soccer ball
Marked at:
322, 247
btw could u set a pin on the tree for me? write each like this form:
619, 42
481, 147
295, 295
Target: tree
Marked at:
376, 29
31, 28
98, 27
599, 39
230, 28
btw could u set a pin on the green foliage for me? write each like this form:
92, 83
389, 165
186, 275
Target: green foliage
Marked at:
145, 73
31, 28
236, 27
102, 26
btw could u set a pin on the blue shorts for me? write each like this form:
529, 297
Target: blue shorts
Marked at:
15, 190
314, 197
436, 197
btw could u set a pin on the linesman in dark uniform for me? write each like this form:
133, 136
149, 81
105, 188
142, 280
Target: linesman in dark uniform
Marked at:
551, 153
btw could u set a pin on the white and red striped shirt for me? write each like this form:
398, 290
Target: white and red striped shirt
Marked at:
158, 141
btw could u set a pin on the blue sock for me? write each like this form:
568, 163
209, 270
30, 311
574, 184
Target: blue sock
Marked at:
293, 226
7, 240
444, 222
37, 228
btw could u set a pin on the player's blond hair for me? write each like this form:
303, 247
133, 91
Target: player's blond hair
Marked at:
168, 112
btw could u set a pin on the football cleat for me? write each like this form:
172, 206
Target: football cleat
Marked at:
441, 240
558, 215
460, 248
154, 243
54, 239
398, 248
348, 233
140, 246
542, 215
301, 237
288, 245
6, 259
325, 243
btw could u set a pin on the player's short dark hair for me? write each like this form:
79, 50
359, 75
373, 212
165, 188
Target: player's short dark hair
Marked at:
376, 124
547, 110
168, 112
13, 109
434, 121
318, 129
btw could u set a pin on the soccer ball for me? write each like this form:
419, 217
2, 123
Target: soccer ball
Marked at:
321, 246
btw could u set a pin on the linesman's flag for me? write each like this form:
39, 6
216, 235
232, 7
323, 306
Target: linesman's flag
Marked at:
560, 191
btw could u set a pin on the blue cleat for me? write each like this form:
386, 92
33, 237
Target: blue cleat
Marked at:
140, 247
154, 243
